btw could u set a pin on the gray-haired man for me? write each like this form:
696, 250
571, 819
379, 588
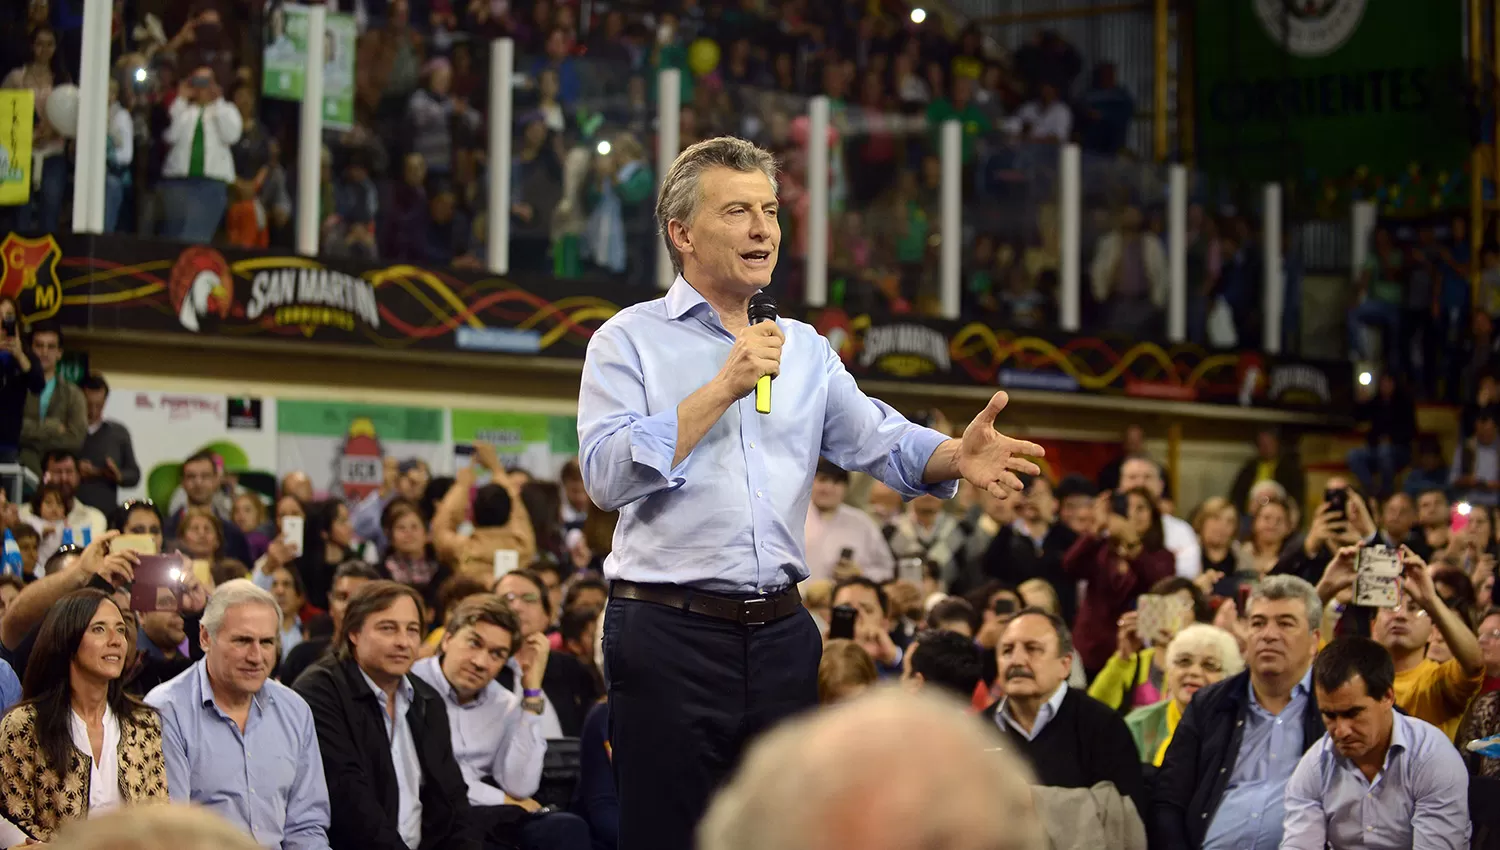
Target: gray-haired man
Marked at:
706, 642
1223, 781
237, 742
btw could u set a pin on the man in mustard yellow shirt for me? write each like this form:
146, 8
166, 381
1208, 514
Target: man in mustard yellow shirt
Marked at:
1436, 693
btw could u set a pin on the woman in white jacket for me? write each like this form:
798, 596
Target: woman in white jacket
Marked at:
199, 166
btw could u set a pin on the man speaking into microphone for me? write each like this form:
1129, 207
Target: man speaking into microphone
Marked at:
706, 642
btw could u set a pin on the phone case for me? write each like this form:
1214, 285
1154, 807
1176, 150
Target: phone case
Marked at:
292, 533
506, 561
1156, 614
1377, 581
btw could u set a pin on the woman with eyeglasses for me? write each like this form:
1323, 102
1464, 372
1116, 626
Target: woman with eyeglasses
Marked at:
78, 745
1483, 719
566, 684
1200, 655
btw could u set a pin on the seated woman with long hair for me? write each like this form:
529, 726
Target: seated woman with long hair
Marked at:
77, 745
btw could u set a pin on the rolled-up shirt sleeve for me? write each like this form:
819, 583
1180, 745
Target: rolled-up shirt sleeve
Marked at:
625, 453
866, 434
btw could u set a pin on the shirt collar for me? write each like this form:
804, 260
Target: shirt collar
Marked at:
403, 690
1049, 709
1301, 689
682, 298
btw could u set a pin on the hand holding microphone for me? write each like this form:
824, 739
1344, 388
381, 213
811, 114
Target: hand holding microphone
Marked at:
756, 353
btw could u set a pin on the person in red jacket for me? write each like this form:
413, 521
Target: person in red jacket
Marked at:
1120, 564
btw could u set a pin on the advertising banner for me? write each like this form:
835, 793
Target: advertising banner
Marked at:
535, 442
109, 283
1333, 88
17, 114
938, 351
342, 446
167, 428
286, 60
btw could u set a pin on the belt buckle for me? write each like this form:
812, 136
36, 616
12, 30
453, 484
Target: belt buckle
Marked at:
751, 611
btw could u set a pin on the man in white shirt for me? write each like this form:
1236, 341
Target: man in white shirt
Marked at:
833, 526
60, 467
199, 167
497, 738
1046, 119
1181, 540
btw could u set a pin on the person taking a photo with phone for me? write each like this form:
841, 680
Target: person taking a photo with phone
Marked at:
20, 375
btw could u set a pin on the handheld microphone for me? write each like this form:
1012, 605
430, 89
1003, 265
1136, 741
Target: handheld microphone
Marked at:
762, 309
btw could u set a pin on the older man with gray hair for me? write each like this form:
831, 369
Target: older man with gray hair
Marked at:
1223, 780
706, 641
237, 742
886, 771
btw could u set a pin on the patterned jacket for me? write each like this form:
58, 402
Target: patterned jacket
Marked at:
39, 802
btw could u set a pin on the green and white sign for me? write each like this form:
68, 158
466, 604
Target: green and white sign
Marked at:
286, 60
1325, 88
535, 442
342, 446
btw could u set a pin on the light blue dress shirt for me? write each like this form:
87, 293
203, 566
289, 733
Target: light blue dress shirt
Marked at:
267, 780
290, 637
1249, 817
1044, 715
730, 516
1418, 801
10, 687
403, 759
492, 736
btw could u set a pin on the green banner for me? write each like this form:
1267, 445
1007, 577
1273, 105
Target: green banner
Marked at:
1326, 89
334, 419
286, 60
536, 442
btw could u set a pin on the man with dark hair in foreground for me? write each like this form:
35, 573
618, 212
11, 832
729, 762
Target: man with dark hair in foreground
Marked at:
1378, 779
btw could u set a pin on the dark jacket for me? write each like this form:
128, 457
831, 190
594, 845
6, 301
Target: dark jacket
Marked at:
15, 385
569, 686
111, 441
1199, 761
1393, 419
362, 790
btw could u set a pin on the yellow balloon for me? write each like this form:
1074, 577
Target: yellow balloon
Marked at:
703, 56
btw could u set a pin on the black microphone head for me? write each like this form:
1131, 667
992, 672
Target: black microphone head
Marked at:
762, 308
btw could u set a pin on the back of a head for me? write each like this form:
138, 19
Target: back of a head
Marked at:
491, 506
154, 827
824, 782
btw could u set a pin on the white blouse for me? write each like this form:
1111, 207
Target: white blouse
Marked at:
104, 774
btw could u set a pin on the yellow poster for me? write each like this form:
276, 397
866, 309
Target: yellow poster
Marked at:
17, 110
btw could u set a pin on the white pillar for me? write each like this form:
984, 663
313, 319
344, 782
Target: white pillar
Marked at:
93, 119
1177, 191
818, 117
502, 74
668, 146
1070, 236
952, 155
310, 139
1362, 217
1274, 281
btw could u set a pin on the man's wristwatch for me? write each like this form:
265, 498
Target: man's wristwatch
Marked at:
535, 705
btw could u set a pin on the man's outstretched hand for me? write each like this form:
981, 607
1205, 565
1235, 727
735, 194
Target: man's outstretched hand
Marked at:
990, 460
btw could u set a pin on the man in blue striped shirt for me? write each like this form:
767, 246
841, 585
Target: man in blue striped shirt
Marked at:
706, 642
238, 742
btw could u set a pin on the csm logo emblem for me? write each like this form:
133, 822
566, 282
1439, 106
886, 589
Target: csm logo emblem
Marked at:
1310, 28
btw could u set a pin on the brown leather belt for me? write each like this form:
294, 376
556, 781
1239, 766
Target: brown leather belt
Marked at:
747, 612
